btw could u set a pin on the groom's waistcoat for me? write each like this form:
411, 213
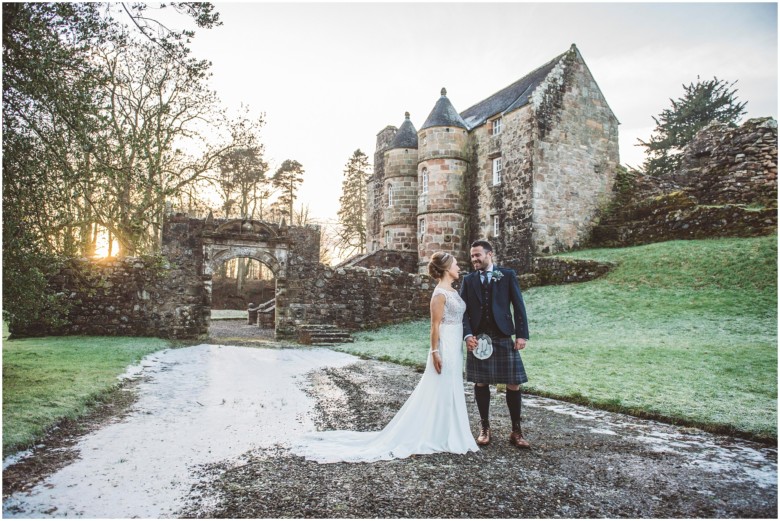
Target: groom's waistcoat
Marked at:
487, 323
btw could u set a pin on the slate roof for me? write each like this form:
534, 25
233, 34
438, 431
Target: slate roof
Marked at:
444, 114
509, 98
406, 137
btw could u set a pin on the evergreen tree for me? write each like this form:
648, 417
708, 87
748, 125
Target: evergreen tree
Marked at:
352, 213
242, 175
703, 103
288, 178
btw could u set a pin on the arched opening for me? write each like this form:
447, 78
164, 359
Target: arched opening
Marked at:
240, 281
243, 297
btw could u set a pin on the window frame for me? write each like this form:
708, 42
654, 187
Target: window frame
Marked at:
496, 126
498, 173
496, 225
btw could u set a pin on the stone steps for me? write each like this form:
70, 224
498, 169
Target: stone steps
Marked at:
323, 334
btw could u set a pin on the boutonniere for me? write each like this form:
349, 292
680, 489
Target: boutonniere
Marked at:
497, 275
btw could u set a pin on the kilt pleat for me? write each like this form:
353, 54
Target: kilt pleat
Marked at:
505, 366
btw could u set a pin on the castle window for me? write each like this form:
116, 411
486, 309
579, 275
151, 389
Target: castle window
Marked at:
496, 225
497, 169
425, 181
390, 196
495, 126
422, 227
387, 239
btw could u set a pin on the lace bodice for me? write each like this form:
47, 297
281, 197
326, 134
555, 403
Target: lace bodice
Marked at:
454, 307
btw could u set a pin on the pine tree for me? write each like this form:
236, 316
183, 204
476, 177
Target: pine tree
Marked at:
287, 178
703, 103
352, 213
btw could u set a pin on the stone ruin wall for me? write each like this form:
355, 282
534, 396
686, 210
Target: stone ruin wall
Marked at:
386, 260
160, 296
133, 296
727, 187
724, 165
353, 298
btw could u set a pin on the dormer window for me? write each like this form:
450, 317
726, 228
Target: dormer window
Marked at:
497, 171
425, 180
495, 126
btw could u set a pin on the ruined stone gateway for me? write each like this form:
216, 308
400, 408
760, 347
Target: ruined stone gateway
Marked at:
528, 168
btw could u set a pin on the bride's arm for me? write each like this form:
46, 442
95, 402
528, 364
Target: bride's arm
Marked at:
437, 314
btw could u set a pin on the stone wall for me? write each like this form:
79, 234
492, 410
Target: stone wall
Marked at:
399, 221
576, 157
374, 190
511, 200
386, 260
444, 153
724, 165
134, 296
550, 271
727, 187
352, 298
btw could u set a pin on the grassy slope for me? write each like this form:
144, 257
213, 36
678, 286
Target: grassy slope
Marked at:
47, 379
682, 330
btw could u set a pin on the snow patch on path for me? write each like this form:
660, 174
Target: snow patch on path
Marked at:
197, 405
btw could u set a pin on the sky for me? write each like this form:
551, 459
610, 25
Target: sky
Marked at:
330, 76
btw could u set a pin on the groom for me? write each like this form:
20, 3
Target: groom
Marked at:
488, 292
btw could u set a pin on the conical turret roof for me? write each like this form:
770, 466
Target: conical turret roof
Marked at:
444, 114
406, 137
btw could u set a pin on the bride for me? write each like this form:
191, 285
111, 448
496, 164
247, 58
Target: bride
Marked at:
434, 418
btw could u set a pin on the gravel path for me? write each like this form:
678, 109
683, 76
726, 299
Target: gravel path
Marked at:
583, 463
207, 436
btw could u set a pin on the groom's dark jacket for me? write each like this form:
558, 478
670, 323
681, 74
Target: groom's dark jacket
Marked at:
505, 290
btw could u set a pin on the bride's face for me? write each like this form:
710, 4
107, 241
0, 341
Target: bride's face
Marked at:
454, 269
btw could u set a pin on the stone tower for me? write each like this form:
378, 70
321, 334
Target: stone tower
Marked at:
442, 210
399, 190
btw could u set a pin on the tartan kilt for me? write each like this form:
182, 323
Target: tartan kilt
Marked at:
503, 367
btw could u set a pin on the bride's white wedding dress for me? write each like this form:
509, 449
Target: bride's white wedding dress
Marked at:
433, 419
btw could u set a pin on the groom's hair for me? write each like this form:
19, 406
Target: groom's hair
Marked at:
485, 245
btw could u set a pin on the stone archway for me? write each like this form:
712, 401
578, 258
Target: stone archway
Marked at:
266, 243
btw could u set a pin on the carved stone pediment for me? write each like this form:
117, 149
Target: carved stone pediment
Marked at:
255, 230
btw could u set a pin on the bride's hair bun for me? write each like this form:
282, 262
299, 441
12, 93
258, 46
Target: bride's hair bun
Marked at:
439, 264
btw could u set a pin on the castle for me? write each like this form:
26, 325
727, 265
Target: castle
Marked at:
529, 168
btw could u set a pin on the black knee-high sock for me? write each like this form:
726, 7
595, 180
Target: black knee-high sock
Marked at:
482, 397
514, 402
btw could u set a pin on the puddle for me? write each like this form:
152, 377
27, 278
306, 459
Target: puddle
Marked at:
197, 405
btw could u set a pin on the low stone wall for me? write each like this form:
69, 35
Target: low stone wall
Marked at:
353, 298
386, 260
357, 298
551, 271
677, 217
134, 296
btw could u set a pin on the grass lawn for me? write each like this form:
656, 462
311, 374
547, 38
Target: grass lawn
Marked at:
47, 379
682, 331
